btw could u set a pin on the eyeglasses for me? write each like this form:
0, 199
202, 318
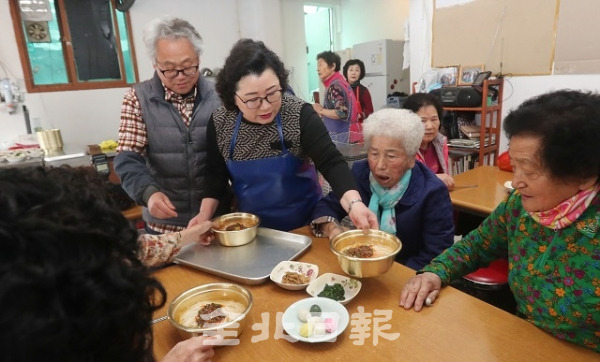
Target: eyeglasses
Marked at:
256, 102
172, 73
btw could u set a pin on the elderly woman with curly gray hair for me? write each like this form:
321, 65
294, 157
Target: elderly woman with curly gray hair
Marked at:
548, 227
269, 145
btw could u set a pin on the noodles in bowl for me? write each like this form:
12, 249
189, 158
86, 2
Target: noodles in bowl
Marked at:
365, 255
235, 229
211, 314
216, 308
362, 250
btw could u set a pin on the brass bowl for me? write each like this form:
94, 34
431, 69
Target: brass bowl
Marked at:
208, 293
365, 267
235, 237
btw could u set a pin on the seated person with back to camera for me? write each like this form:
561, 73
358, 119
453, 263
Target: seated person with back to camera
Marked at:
71, 285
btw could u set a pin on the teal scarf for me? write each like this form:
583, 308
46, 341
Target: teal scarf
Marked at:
387, 200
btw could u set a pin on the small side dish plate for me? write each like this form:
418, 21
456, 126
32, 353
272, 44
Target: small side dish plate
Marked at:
351, 286
329, 309
508, 186
15, 159
308, 270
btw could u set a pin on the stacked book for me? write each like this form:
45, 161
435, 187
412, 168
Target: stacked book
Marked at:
464, 143
470, 131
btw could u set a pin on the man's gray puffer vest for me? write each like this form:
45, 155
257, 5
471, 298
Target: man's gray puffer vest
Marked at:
176, 155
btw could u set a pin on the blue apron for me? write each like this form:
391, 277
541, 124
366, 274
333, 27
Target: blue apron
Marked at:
282, 190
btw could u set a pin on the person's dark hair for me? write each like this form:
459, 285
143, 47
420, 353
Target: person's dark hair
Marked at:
247, 57
331, 58
360, 64
416, 101
71, 285
568, 123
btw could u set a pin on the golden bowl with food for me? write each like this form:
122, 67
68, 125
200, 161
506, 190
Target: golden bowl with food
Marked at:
365, 255
211, 309
235, 229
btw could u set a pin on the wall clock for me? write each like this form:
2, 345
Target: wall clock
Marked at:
37, 31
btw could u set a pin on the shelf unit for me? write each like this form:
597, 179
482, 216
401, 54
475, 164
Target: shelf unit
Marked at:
490, 126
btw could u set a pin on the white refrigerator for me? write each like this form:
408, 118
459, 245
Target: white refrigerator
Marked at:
383, 69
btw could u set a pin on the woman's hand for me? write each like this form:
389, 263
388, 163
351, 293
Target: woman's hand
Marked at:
200, 233
318, 108
420, 289
197, 220
332, 229
447, 179
195, 349
362, 217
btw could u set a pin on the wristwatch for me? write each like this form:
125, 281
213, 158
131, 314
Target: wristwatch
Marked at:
99, 160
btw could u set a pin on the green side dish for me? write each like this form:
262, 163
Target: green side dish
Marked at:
335, 292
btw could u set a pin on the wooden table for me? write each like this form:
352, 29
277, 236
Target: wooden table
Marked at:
134, 213
489, 192
481, 201
457, 327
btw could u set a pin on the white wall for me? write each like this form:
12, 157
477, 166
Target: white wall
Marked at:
91, 116
363, 21
516, 89
294, 45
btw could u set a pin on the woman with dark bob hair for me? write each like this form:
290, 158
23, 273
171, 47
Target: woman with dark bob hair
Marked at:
267, 144
71, 285
433, 150
548, 226
354, 72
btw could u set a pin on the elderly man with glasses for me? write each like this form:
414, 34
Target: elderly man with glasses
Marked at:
162, 137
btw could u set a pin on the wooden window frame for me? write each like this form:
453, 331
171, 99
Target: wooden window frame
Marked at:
73, 82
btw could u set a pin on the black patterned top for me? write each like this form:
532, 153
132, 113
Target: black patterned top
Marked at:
304, 134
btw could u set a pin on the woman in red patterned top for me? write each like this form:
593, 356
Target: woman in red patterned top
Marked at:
339, 108
354, 72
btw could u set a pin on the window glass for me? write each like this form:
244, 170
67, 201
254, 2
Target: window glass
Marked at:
45, 51
125, 48
73, 44
93, 39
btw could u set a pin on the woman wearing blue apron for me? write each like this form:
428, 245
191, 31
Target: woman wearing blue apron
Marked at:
282, 190
267, 144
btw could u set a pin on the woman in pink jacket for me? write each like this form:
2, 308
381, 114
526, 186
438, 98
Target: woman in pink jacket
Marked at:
434, 147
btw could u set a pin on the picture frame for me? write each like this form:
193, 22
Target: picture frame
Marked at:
468, 73
481, 77
448, 76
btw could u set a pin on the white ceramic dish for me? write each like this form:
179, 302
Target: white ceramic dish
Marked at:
508, 186
329, 309
34, 152
351, 286
306, 269
15, 159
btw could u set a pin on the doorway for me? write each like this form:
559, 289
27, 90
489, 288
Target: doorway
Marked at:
318, 23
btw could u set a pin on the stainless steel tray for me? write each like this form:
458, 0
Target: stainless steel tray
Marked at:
248, 264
